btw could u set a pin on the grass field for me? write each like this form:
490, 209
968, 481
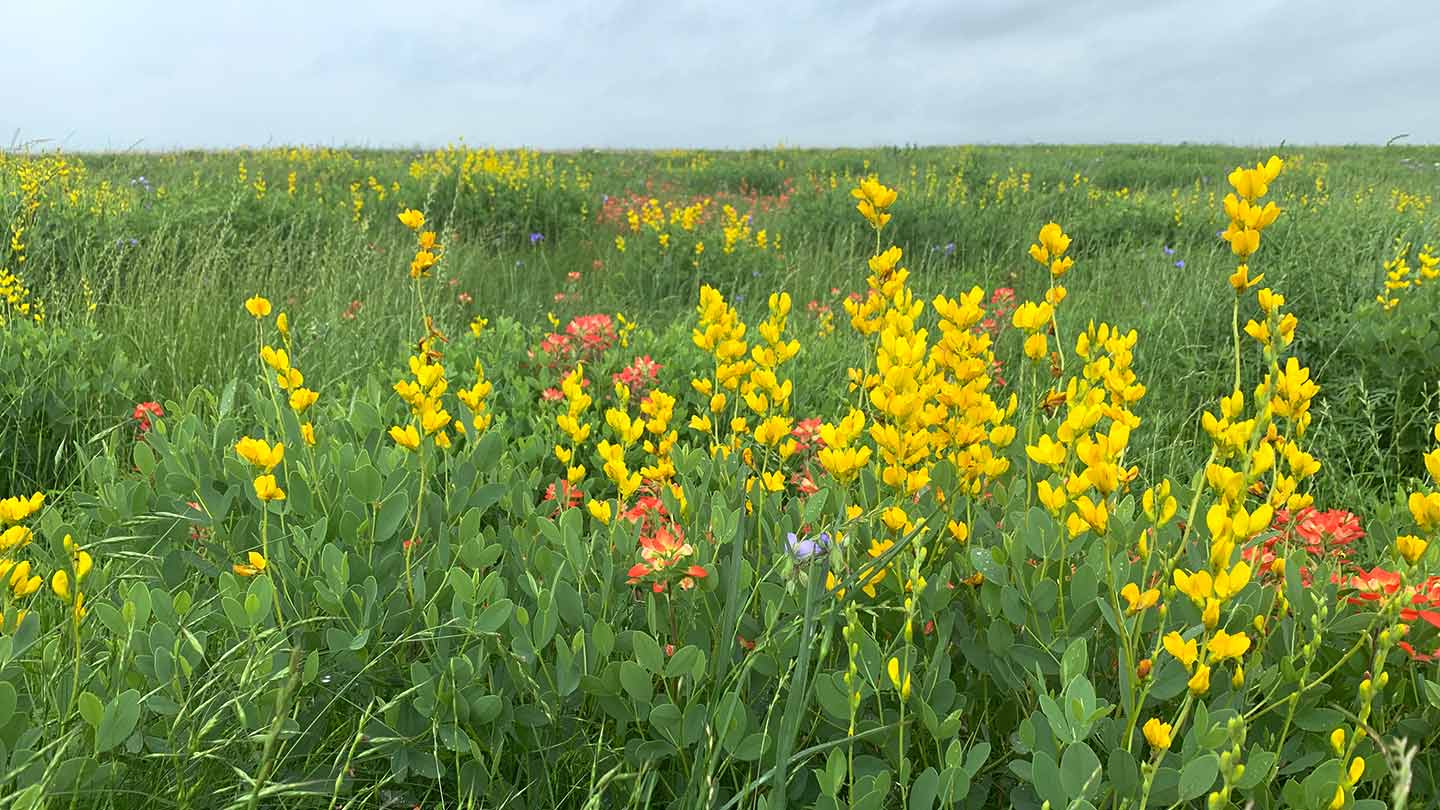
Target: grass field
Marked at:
575, 508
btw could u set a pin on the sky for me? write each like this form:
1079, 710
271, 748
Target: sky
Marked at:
161, 74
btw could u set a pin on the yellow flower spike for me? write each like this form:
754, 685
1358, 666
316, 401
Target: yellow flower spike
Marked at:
1224, 645
256, 565
1337, 741
1199, 683
258, 306
60, 584
19, 507
1051, 497
1137, 601
1410, 547
895, 518
13, 538
276, 359
259, 453
412, 219
1158, 734
773, 481
1357, 770
302, 398
1432, 464
1211, 615
307, 433
600, 510
22, 583
267, 490
407, 437
290, 378
902, 684
958, 530
1229, 583
1184, 651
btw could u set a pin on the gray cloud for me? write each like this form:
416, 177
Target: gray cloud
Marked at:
632, 73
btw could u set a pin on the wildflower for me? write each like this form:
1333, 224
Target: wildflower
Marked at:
144, 411
874, 198
22, 582
307, 432
1137, 601
806, 548
256, 565
1410, 547
902, 685
19, 507
1199, 683
1184, 651
600, 510
282, 323
259, 452
407, 437
536, 238
412, 219
258, 306
1158, 734
267, 490
14, 538
302, 398
1225, 645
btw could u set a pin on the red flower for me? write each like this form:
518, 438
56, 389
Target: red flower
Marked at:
807, 433
573, 496
144, 411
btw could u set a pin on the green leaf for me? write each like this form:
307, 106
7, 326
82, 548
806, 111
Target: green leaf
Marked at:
1077, 767
1075, 662
636, 682
1045, 776
1198, 776
647, 651
924, 790
1124, 773
687, 661
365, 483
90, 708
144, 459
1432, 693
8, 700
118, 720
494, 617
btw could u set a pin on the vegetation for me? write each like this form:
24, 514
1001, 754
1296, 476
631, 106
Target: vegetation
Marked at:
475, 479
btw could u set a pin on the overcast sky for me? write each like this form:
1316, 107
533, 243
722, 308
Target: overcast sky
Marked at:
156, 74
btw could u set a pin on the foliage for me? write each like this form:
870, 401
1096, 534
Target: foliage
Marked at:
906, 545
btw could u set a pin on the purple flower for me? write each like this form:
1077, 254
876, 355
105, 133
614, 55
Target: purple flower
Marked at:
1180, 263
1169, 251
807, 548
950, 249
536, 238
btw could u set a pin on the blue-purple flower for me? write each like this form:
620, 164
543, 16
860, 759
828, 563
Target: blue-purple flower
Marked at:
804, 549
536, 238
1180, 263
1169, 251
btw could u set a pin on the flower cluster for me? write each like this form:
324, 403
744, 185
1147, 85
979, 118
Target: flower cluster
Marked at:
720, 333
1248, 218
427, 249
1400, 276
288, 377
16, 579
422, 393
